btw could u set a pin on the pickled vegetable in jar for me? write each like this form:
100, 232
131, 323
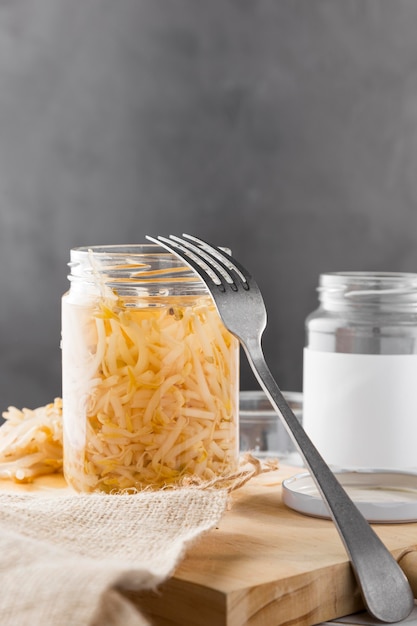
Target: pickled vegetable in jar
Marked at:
150, 373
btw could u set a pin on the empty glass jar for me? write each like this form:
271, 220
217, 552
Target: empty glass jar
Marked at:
360, 370
150, 374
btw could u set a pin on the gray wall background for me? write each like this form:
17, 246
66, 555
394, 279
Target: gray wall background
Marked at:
285, 129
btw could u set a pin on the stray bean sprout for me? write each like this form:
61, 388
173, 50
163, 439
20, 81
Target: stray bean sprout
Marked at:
31, 442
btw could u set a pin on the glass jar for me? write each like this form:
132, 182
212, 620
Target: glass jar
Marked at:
360, 370
261, 430
150, 374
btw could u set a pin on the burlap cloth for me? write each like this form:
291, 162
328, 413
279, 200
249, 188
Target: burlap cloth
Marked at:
65, 560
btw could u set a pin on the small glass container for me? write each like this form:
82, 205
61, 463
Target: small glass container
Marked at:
150, 374
261, 429
360, 370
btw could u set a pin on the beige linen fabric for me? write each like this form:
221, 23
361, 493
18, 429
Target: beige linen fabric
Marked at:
65, 560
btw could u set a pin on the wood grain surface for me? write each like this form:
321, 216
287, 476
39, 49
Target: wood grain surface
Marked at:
265, 565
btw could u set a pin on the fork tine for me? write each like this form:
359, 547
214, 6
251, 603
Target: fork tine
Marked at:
195, 261
206, 259
206, 253
222, 256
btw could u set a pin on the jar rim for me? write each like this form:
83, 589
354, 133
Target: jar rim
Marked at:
367, 275
369, 286
132, 265
117, 248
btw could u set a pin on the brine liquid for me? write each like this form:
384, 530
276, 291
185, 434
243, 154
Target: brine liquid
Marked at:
150, 394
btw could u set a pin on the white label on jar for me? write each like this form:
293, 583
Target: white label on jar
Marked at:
360, 410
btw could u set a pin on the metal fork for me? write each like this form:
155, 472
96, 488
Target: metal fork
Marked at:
385, 590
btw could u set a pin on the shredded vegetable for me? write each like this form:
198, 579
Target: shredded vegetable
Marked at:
150, 394
31, 442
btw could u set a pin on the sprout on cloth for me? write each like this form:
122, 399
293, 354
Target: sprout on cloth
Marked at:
31, 442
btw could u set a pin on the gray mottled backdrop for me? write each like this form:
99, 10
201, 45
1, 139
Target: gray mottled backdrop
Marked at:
285, 129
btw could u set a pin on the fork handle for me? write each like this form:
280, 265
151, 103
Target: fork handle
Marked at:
386, 592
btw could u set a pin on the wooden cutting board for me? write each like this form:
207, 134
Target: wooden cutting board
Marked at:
265, 565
